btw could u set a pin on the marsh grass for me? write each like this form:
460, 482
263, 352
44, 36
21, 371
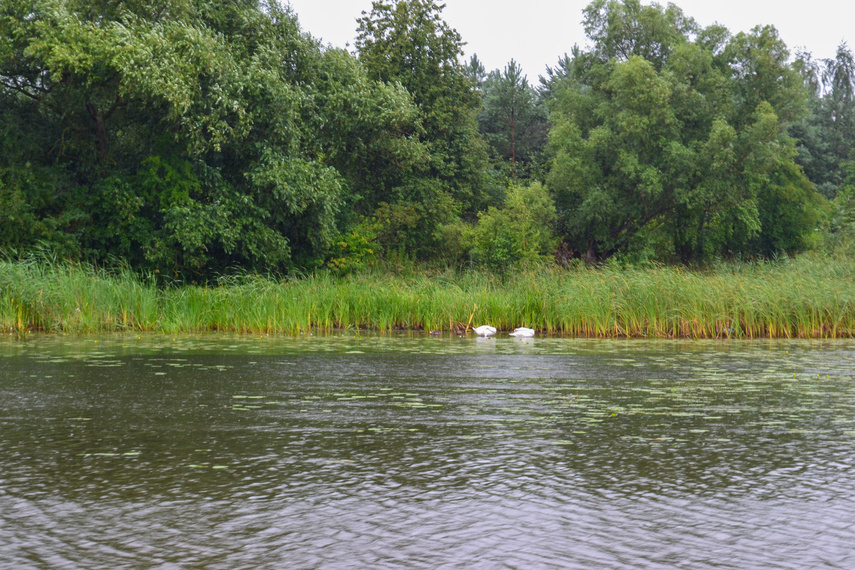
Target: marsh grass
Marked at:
804, 297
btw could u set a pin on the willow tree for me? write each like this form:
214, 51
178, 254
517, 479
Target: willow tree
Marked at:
663, 128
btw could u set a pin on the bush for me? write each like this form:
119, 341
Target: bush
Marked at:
352, 252
521, 232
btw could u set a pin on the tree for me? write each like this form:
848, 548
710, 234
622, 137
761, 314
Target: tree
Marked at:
607, 172
826, 137
522, 231
513, 120
622, 29
407, 42
476, 72
188, 136
666, 127
559, 77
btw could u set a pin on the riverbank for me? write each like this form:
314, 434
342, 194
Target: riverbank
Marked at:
808, 297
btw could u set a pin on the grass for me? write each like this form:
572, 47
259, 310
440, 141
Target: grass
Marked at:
805, 297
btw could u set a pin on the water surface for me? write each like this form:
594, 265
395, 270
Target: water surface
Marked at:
380, 451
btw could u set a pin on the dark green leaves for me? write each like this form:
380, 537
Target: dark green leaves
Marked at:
664, 129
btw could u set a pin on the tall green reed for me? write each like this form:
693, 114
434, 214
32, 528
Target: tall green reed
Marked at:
805, 297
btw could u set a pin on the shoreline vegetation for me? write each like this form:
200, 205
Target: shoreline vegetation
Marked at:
810, 296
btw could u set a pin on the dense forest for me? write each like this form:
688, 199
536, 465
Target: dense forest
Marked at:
193, 138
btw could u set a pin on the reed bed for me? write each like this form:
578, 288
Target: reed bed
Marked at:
805, 297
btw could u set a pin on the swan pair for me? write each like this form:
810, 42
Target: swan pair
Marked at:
487, 330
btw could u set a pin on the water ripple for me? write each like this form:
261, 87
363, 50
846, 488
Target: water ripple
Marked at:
564, 454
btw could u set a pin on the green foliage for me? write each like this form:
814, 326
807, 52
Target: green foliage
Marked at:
29, 213
839, 227
413, 225
826, 137
513, 120
352, 252
622, 29
476, 72
520, 233
790, 212
665, 125
194, 139
367, 130
407, 42
190, 137
802, 297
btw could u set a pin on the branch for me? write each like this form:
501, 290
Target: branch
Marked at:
14, 85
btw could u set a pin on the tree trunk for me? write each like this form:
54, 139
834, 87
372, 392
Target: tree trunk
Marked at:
100, 132
591, 256
513, 145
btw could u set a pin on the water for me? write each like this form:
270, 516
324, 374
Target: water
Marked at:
421, 452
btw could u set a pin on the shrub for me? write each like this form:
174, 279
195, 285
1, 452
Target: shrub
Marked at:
521, 232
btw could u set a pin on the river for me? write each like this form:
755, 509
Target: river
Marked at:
390, 451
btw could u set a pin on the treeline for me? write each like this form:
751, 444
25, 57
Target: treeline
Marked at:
193, 138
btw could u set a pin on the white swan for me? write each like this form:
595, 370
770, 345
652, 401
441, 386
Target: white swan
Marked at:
485, 330
522, 332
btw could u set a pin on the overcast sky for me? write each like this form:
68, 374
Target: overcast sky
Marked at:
537, 32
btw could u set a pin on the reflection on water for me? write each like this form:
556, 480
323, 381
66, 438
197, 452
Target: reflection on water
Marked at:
391, 451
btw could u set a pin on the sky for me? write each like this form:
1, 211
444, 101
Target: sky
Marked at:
536, 33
